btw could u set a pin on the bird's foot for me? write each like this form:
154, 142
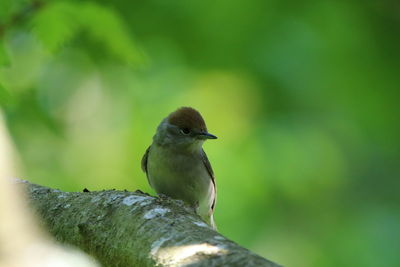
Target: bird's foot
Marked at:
138, 191
195, 207
163, 197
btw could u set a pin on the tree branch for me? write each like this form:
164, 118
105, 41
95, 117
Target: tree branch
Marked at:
123, 228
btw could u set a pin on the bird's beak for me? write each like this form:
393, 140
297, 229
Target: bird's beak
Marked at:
206, 135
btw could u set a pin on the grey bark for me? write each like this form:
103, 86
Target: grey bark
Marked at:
122, 228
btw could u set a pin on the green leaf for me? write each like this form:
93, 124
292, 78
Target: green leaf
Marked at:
106, 26
58, 23
5, 96
4, 59
5, 10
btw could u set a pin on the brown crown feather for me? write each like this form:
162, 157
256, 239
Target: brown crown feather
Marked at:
187, 117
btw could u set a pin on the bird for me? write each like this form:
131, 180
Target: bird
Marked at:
176, 164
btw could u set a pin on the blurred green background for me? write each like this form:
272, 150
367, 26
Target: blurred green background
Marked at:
304, 97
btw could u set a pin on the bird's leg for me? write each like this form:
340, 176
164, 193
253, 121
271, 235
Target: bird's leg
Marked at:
196, 206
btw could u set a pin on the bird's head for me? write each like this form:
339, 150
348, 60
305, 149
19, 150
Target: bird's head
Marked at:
184, 128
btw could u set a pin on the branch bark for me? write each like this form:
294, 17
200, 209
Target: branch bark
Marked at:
123, 228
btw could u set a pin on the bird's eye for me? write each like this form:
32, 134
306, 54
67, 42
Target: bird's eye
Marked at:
185, 131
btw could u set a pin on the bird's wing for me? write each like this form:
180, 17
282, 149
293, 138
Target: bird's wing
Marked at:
211, 173
144, 160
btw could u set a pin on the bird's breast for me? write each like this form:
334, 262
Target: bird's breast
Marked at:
180, 175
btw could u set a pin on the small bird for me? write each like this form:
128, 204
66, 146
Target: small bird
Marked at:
176, 164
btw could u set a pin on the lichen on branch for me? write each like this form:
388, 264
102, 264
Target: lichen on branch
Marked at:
123, 228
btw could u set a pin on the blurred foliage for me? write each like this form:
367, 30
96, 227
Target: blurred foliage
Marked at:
61, 21
302, 95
